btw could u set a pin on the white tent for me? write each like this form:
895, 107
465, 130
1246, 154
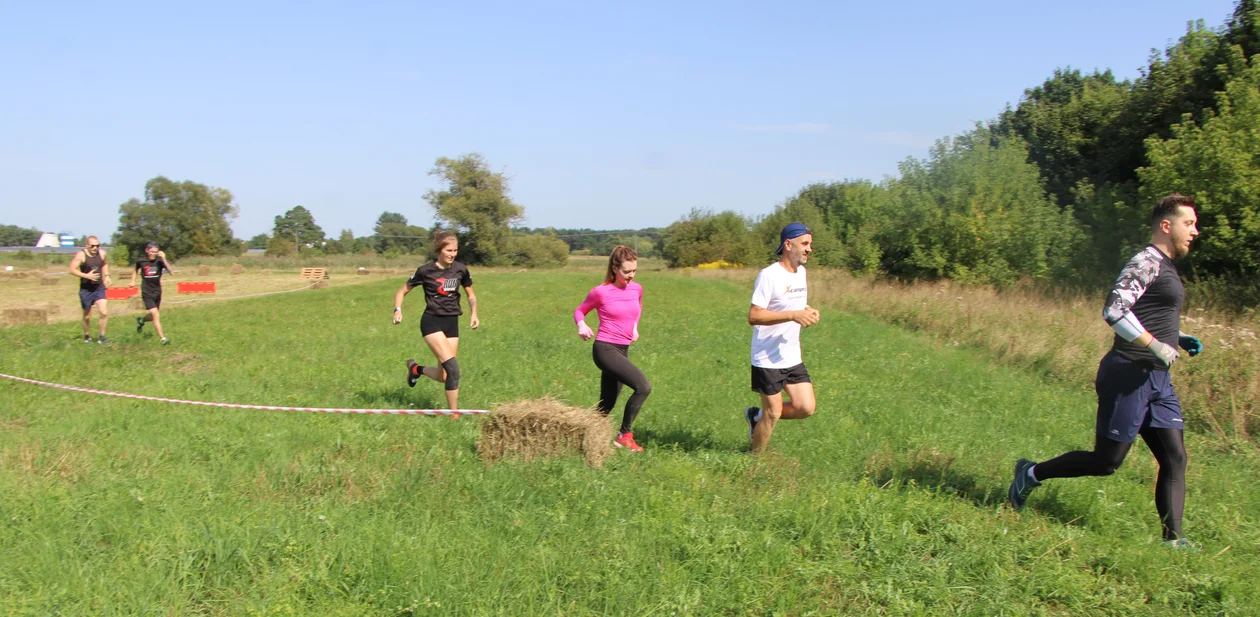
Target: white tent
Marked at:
48, 240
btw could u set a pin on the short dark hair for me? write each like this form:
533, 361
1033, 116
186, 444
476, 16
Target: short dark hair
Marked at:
1166, 207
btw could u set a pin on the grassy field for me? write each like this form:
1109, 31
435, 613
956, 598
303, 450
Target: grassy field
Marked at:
890, 501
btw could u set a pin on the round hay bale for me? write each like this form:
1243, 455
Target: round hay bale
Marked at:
545, 427
49, 280
238, 269
22, 316
203, 270
362, 270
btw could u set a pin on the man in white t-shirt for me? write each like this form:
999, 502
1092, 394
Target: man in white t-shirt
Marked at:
777, 314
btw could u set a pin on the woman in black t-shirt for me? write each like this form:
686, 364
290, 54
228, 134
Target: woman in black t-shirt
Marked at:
439, 324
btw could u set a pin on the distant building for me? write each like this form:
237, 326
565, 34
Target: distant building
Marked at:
48, 240
67, 240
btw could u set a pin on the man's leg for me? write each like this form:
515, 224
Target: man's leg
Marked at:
102, 315
771, 410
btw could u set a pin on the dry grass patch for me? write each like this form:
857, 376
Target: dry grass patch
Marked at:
62, 461
542, 428
22, 316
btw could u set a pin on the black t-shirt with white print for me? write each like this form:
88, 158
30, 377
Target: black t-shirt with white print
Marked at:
1150, 287
151, 275
441, 287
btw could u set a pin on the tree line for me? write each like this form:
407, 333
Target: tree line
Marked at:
1057, 188
188, 218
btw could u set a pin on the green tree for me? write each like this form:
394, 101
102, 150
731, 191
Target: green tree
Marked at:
280, 247
298, 224
475, 205
393, 233
704, 237
258, 242
1218, 162
12, 235
184, 218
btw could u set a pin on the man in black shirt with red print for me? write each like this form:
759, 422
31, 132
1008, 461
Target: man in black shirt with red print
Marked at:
150, 269
1135, 393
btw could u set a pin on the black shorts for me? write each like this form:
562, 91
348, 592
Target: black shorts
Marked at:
772, 380
151, 301
446, 324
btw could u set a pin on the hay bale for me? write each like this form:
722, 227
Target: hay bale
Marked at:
362, 270
543, 428
238, 269
49, 280
203, 270
21, 316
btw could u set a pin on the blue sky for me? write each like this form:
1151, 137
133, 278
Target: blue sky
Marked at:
604, 116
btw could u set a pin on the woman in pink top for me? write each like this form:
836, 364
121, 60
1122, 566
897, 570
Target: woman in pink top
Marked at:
618, 302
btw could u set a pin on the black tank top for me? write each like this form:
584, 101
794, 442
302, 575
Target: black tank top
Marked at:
91, 263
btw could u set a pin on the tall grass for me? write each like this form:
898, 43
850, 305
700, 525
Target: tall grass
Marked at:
1061, 334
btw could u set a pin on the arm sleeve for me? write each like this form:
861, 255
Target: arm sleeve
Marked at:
137, 268
762, 290
465, 279
591, 301
1129, 328
1133, 281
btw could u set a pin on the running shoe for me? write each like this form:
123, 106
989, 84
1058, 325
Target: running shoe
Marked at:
102, 340
413, 373
1183, 544
139, 323
626, 440
87, 338
166, 341
750, 416
1022, 485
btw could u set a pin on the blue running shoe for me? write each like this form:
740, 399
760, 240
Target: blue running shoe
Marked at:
750, 416
1183, 544
1022, 485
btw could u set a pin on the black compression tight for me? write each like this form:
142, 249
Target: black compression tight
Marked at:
614, 363
1170, 486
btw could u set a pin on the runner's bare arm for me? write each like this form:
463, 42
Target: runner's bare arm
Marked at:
761, 316
398, 302
473, 322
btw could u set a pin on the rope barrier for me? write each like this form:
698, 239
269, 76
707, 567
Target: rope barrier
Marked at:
454, 413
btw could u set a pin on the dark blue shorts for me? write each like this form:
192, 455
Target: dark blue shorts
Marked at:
88, 298
1133, 396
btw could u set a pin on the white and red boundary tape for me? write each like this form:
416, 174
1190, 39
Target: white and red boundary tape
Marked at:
454, 413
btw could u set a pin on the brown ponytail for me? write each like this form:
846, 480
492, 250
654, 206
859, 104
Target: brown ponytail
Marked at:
620, 255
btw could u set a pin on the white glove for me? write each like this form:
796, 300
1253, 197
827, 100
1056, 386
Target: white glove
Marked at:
1167, 354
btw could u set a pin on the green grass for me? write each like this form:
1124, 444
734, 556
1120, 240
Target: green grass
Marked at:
889, 501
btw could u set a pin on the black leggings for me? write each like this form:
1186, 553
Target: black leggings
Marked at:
1170, 486
614, 362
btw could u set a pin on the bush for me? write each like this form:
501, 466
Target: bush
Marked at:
536, 250
280, 247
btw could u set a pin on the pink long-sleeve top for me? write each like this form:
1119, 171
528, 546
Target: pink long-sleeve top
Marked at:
618, 310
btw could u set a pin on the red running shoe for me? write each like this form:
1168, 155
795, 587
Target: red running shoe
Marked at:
626, 440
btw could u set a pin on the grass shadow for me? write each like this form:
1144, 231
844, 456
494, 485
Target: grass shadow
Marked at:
932, 470
680, 439
399, 398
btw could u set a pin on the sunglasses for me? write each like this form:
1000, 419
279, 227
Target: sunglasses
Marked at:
94, 246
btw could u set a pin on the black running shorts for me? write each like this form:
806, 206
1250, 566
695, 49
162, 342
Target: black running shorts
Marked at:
772, 380
446, 324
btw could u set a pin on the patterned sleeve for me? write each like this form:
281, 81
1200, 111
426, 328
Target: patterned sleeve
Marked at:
1136, 276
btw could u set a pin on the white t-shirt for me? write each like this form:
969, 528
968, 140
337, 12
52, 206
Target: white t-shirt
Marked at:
778, 346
